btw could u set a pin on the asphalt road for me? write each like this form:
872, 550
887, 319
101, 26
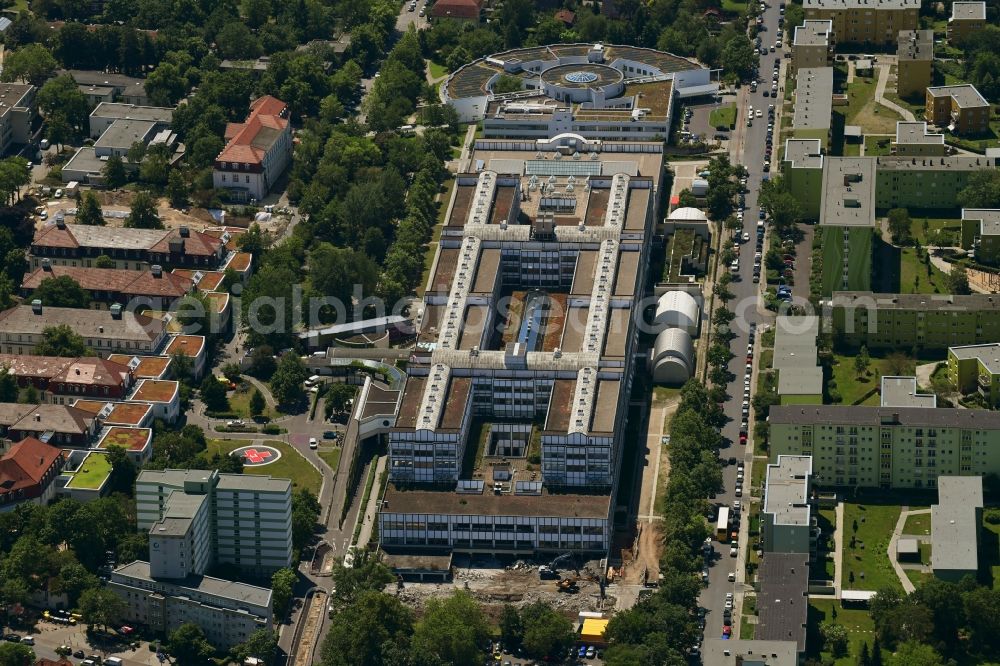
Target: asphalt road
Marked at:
747, 148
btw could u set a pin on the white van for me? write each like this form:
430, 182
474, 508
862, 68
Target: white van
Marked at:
28, 640
313, 380
113, 661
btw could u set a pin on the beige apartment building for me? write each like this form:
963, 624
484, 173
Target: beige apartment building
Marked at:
812, 45
915, 53
887, 447
966, 18
962, 109
913, 140
865, 21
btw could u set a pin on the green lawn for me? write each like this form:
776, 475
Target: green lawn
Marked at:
852, 387
239, 403
437, 70
917, 277
92, 473
852, 149
918, 577
291, 465
919, 524
862, 110
925, 553
877, 145
733, 6
866, 565
723, 117
979, 144
746, 629
936, 230
331, 456
858, 623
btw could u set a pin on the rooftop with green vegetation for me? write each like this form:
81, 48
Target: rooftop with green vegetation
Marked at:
92, 473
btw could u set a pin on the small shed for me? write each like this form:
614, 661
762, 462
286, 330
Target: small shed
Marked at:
908, 550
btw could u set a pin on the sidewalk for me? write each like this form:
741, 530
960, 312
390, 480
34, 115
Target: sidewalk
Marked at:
904, 580
883, 78
371, 510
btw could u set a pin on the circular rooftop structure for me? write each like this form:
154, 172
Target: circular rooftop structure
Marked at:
687, 214
567, 72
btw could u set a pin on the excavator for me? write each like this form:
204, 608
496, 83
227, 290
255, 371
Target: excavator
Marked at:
550, 571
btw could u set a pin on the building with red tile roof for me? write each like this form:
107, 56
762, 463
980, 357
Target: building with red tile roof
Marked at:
192, 346
257, 151
144, 367
27, 472
163, 395
127, 414
459, 10
565, 16
59, 425
154, 288
60, 380
137, 249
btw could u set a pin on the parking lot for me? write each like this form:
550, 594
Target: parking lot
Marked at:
47, 637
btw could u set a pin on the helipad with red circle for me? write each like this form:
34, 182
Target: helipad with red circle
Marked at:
257, 455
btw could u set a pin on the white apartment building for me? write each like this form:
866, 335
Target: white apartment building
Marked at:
104, 331
16, 113
226, 611
249, 520
257, 151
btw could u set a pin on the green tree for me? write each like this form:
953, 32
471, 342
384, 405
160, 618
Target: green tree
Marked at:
305, 514
142, 214
287, 381
900, 226
338, 397
452, 630
738, 56
835, 638
16, 654
511, 626
90, 213
188, 645
32, 63
261, 644
177, 189
114, 172
166, 85
61, 340
913, 653
982, 190
8, 385
61, 95
74, 580
102, 607
958, 280
547, 632
262, 363
213, 394
123, 471
257, 403
61, 292
507, 84
366, 629
282, 586
861, 362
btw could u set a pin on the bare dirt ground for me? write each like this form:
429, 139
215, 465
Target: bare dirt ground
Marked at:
194, 218
518, 584
313, 622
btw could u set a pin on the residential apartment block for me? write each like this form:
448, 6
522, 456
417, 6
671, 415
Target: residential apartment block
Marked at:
914, 140
800, 377
81, 244
228, 612
257, 151
981, 233
887, 447
847, 223
812, 45
510, 430
960, 108
900, 182
966, 18
865, 21
915, 57
213, 518
975, 369
787, 513
598, 91
104, 331
922, 321
956, 525
17, 111
812, 114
